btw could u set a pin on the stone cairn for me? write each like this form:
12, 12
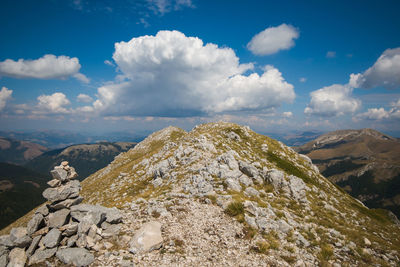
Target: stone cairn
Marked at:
62, 227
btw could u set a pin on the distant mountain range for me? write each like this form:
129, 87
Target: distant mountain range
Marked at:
365, 163
86, 158
19, 152
59, 139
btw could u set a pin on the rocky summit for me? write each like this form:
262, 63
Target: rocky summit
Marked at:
220, 195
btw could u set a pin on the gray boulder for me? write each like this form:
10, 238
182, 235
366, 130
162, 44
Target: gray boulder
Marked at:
69, 190
42, 210
52, 238
248, 169
147, 238
58, 218
41, 255
34, 223
99, 213
19, 237
5, 241
250, 191
69, 229
17, 258
75, 256
59, 173
33, 246
66, 203
3, 260
233, 185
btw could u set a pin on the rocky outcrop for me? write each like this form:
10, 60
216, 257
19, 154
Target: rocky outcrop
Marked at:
63, 227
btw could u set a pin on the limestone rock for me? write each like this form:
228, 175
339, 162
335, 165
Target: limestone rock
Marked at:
66, 203
75, 256
17, 258
33, 246
248, 169
147, 238
52, 238
367, 242
5, 240
69, 190
41, 255
42, 210
3, 260
34, 223
69, 229
59, 173
19, 237
54, 183
99, 213
233, 185
58, 218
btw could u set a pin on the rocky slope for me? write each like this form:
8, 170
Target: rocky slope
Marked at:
223, 195
20, 191
86, 158
365, 163
19, 152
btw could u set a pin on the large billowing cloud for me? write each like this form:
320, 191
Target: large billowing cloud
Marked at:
53, 104
5, 95
385, 72
46, 67
334, 100
173, 75
273, 39
380, 113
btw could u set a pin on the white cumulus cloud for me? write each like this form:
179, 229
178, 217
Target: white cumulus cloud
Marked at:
55, 103
385, 72
173, 75
381, 113
84, 98
287, 114
5, 95
46, 67
334, 100
273, 39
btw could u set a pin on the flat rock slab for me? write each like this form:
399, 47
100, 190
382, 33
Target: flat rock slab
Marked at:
69, 190
52, 239
17, 257
58, 218
112, 215
42, 255
147, 238
75, 256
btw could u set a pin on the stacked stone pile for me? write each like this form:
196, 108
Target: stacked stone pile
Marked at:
63, 227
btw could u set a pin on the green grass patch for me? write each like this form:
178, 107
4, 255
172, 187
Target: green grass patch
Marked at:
289, 167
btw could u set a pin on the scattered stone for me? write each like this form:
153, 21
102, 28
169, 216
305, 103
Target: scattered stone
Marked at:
147, 238
367, 242
42, 255
19, 237
3, 260
75, 256
42, 210
66, 203
58, 218
250, 191
233, 185
17, 258
33, 246
69, 229
54, 183
34, 223
52, 238
5, 240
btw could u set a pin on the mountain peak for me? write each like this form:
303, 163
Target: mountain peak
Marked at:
226, 195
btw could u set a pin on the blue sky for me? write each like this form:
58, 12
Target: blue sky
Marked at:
152, 63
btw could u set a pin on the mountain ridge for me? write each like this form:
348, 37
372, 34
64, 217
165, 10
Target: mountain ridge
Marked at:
366, 163
226, 195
